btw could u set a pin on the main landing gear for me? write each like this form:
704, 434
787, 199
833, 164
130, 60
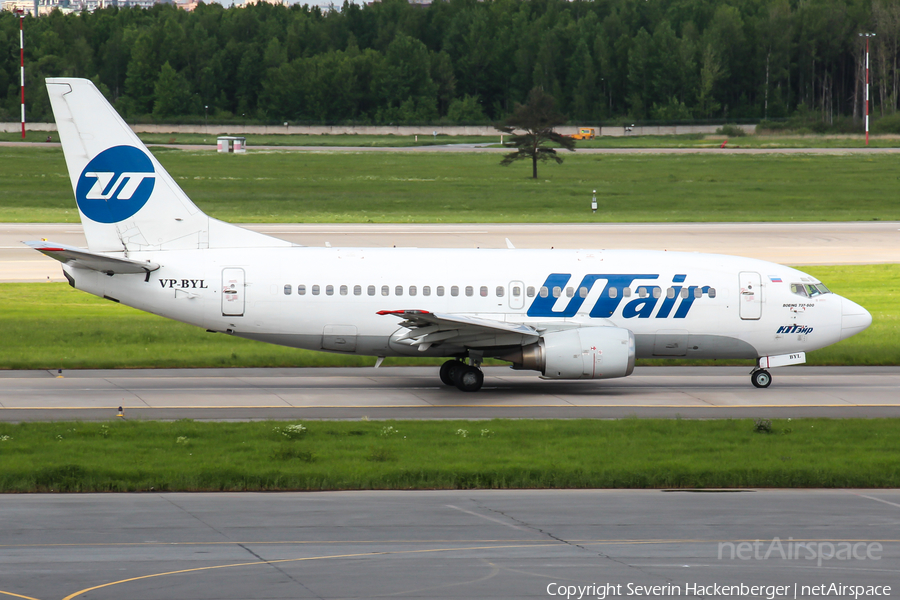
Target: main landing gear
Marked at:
468, 378
760, 378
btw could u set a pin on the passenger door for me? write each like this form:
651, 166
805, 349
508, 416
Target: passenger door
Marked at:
233, 285
751, 295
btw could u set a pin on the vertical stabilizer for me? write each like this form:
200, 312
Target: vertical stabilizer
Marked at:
126, 199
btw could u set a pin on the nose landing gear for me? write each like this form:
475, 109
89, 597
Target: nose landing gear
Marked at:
760, 378
468, 378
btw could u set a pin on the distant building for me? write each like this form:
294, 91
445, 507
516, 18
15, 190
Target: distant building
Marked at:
27, 6
45, 7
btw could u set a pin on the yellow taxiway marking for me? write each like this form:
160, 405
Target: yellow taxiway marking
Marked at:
17, 595
288, 560
381, 553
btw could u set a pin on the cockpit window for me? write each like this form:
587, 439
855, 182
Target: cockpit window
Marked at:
809, 290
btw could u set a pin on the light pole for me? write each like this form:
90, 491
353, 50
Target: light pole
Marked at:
206, 117
867, 36
21, 13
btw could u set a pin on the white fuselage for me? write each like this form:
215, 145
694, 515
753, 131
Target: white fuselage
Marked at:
678, 305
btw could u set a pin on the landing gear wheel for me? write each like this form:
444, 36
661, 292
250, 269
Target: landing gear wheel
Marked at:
761, 378
448, 370
468, 379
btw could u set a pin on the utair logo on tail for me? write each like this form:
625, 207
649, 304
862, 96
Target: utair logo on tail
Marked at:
115, 185
614, 293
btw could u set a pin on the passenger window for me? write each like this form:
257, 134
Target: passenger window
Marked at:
684, 292
544, 291
613, 292
343, 290
642, 292
516, 291
357, 290
469, 290
483, 291
398, 290
288, 289
570, 291
626, 292
426, 290
440, 290
315, 290
301, 290
370, 290
657, 292
670, 293
698, 293
385, 290
711, 293
500, 291
412, 290
556, 291
582, 292
329, 290
530, 291
454, 290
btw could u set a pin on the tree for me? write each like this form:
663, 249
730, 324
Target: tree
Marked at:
537, 118
173, 95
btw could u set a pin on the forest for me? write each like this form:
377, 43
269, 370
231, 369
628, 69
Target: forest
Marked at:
468, 61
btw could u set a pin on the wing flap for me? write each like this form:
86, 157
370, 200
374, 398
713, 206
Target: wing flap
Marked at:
428, 328
95, 261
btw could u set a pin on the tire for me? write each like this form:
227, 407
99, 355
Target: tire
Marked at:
469, 379
448, 370
761, 378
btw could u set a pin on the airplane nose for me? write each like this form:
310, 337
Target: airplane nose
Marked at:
854, 318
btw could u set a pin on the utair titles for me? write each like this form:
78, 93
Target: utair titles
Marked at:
676, 302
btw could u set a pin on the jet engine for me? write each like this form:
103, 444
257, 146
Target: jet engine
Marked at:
585, 353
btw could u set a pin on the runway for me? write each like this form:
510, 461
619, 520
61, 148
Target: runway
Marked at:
447, 544
416, 393
795, 244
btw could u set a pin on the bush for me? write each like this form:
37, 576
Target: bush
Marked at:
731, 131
889, 124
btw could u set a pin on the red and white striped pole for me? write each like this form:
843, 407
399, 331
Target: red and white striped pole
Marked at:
22, 64
867, 36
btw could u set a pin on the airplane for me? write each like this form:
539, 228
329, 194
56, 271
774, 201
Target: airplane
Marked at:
567, 314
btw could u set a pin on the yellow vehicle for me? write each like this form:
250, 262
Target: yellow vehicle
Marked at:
584, 133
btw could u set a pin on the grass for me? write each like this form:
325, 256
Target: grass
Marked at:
52, 326
772, 141
253, 140
628, 453
691, 140
348, 187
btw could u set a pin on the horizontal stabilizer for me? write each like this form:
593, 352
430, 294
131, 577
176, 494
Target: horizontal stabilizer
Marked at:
85, 259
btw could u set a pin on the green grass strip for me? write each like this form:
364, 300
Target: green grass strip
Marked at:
52, 326
120, 456
427, 187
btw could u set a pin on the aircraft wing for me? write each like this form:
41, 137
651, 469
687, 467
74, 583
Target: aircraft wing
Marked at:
428, 328
95, 261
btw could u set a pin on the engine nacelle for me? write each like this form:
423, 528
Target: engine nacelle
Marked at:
585, 353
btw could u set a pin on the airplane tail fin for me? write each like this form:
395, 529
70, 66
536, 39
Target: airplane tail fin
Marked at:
126, 199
